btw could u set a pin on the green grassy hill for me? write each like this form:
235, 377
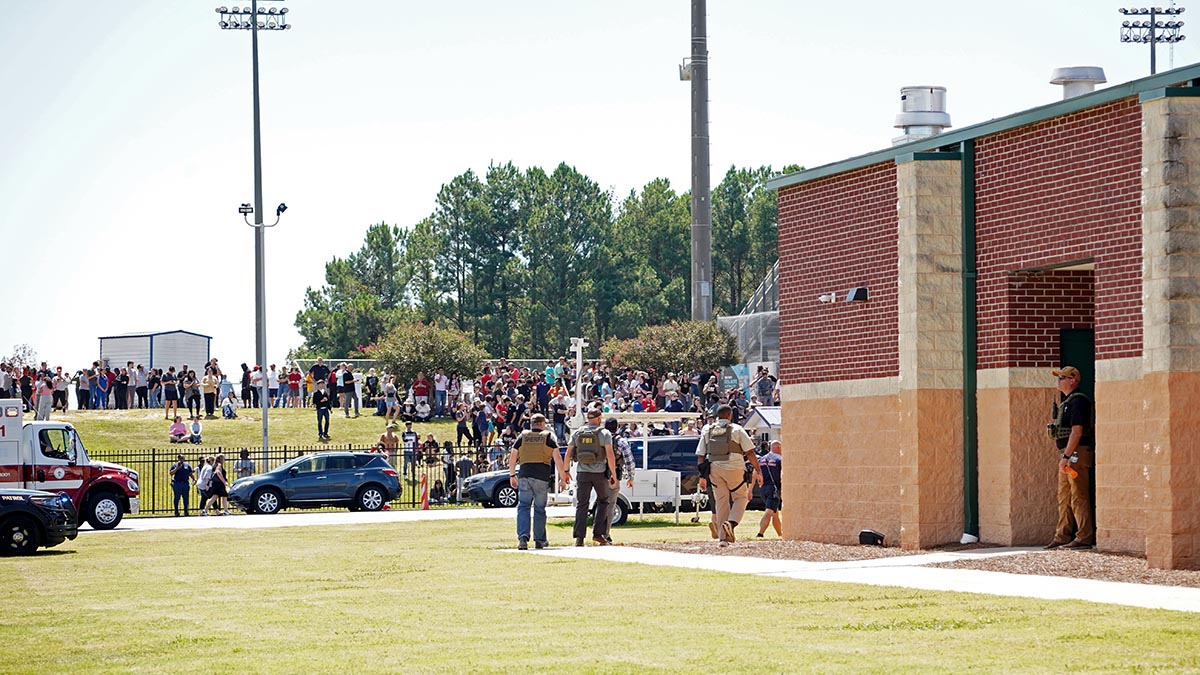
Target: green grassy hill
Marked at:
109, 431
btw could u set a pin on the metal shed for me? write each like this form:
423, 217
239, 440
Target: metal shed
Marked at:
763, 423
156, 350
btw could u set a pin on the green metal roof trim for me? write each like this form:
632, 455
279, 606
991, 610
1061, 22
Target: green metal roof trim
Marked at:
1021, 119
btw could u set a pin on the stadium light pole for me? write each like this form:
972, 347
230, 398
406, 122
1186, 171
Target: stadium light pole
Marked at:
1153, 31
254, 19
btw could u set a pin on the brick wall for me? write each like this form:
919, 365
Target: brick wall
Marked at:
838, 233
1038, 307
1062, 190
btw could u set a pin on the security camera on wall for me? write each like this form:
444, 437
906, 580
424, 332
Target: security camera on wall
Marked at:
828, 297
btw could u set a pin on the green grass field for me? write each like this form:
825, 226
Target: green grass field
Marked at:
439, 597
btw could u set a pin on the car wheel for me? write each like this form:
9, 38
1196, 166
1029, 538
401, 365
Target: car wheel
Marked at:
506, 496
104, 511
18, 536
268, 501
370, 498
620, 513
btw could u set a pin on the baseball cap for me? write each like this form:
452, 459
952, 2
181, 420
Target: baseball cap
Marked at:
1067, 371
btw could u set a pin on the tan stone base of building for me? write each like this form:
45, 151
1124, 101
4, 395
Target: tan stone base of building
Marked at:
869, 455
842, 465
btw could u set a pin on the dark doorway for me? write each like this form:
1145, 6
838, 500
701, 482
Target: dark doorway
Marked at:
1077, 347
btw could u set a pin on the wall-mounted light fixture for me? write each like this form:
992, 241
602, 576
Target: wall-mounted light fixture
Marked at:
857, 294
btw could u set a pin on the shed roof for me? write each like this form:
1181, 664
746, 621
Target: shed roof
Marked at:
153, 334
764, 416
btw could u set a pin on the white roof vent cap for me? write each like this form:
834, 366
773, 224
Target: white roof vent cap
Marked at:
1077, 80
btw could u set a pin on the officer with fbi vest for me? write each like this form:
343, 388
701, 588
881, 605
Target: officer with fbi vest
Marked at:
722, 454
592, 447
536, 452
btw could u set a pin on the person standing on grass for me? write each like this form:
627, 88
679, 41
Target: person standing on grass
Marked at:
409, 439
45, 398
772, 470
536, 451
182, 477
170, 394
1073, 431
722, 453
322, 403
591, 446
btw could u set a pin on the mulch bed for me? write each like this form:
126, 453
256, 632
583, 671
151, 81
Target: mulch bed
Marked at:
1081, 565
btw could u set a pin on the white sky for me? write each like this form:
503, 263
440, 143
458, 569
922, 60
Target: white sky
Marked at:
125, 126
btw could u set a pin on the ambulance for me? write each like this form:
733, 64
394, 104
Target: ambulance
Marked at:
50, 456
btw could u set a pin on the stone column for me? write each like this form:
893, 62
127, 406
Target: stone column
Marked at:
1171, 326
930, 342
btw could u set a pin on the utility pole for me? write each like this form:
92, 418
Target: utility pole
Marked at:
695, 70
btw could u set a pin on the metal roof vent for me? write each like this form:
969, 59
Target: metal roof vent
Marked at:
1077, 80
923, 113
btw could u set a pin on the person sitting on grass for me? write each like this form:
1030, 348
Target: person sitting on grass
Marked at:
194, 431
229, 406
178, 430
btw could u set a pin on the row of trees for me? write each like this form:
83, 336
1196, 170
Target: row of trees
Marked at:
522, 260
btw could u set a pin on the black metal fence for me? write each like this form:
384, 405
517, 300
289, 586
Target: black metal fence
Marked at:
442, 470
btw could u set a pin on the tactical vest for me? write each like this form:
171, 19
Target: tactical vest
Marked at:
1060, 429
720, 443
533, 448
588, 449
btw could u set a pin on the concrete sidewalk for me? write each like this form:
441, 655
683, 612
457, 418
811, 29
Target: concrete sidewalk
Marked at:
909, 572
300, 518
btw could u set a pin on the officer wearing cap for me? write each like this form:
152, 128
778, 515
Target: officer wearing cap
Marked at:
536, 451
1073, 431
723, 451
591, 446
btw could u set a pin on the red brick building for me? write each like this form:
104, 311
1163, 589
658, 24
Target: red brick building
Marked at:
1066, 234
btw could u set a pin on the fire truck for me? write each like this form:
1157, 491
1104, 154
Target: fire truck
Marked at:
50, 456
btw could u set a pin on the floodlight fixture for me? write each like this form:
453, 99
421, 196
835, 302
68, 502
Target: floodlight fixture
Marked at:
1153, 31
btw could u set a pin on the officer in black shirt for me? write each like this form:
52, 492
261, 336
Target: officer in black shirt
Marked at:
322, 403
1073, 432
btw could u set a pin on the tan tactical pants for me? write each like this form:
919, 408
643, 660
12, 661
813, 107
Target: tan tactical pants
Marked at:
1075, 503
730, 503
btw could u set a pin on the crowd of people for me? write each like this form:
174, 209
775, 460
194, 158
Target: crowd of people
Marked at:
486, 402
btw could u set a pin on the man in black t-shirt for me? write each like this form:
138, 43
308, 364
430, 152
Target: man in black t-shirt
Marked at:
322, 403
1073, 431
319, 370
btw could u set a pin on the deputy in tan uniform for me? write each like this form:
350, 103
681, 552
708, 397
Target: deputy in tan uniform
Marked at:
536, 452
722, 453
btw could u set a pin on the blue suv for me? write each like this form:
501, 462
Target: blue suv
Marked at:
360, 481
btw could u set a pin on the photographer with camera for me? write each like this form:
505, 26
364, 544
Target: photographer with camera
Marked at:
1073, 431
722, 454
